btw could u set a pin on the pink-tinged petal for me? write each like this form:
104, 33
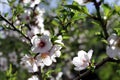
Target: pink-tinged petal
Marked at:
47, 61
53, 58
112, 39
81, 53
76, 61
58, 53
35, 40
90, 52
35, 49
111, 52
79, 68
35, 67
34, 77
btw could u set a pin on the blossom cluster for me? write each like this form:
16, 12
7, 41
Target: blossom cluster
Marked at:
113, 48
44, 50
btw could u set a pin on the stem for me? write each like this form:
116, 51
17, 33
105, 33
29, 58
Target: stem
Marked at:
14, 28
102, 22
39, 73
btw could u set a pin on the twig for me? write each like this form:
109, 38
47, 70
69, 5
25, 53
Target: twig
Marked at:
102, 22
97, 66
14, 28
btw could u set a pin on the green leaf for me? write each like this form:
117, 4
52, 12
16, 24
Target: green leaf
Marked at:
117, 8
84, 9
117, 30
74, 7
107, 10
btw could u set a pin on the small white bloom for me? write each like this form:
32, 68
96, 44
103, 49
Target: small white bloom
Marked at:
34, 77
13, 57
83, 60
3, 64
41, 44
113, 49
44, 59
81, 2
26, 16
55, 52
34, 2
29, 63
26, 1
58, 77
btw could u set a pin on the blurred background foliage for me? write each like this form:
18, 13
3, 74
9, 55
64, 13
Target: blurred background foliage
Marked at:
79, 31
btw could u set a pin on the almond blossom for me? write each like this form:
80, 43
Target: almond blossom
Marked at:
13, 57
29, 63
32, 3
3, 64
34, 77
46, 58
25, 17
82, 61
41, 44
113, 49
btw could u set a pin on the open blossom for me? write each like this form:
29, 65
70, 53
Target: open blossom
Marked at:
34, 77
3, 64
46, 58
29, 63
113, 49
26, 16
82, 61
41, 44
34, 2
13, 58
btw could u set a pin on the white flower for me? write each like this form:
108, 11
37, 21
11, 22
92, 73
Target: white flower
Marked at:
41, 44
26, 16
34, 2
81, 2
29, 63
44, 59
58, 77
13, 57
26, 1
55, 52
83, 60
34, 77
3, 64
113, 49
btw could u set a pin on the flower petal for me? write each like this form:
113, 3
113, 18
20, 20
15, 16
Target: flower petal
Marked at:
47, 61
90, 52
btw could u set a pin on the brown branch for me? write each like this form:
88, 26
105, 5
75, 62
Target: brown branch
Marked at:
103, 23
15, 29
97, 66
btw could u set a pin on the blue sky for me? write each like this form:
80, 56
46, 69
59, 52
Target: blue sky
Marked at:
5, 8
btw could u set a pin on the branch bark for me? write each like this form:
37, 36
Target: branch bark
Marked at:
103, 23
97, 66
14, 28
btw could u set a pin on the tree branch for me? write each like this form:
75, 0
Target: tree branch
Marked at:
97, 66
103, 23
14, 28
